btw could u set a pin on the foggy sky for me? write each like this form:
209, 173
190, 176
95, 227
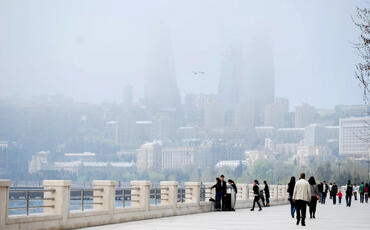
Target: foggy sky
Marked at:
89, 50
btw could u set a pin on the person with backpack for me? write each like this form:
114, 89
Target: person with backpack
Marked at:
256, 192
349, 192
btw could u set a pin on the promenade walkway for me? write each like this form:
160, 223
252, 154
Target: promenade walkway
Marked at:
328, 216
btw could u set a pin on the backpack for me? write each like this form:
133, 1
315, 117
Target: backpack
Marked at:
349, 189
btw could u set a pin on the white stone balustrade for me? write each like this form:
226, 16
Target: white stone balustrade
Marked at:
57, 214
192, 192
104, 195
169, 192
140, 194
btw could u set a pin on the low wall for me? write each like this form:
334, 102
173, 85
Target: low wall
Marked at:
57, 214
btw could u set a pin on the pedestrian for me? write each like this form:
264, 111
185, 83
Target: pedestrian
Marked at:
324, 192
290, 191
256, 194
366, 192
267, 193
314, 197
218, 195
349, 192
262, 196
334, 190
320, 187
223, 190
340, 195
301, 196
330, 193
234, 191
355, 191
362, 192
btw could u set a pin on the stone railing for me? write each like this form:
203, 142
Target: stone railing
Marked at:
57, 215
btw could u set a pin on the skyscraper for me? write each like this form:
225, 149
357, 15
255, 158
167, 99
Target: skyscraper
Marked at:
160, 89
231, 76
258, 85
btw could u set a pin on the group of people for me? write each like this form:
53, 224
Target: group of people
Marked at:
225, 198
308, 192
225, 194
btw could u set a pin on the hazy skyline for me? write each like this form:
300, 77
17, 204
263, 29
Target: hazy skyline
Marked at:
89, 50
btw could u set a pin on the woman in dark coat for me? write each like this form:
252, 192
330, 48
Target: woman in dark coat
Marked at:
291, 186
218, 197
267, 193
256, 192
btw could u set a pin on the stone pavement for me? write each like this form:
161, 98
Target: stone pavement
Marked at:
328, 216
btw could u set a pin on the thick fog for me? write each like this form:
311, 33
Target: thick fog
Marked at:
89, 50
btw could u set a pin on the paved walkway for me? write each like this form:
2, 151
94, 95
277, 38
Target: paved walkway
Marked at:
277, 217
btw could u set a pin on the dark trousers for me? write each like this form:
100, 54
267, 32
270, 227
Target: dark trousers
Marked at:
334, 199
361, 197
348, 200
355, 195
292, 207
323, 198
366, 197
312, 206
256, 200
223, 202
301, 206
340, 200
218, 200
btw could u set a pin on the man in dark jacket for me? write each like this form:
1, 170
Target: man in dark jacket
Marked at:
320, 187
256, 193
349, 191
333, 192
223, 191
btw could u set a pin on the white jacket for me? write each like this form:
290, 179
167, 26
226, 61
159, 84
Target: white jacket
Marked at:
302, 191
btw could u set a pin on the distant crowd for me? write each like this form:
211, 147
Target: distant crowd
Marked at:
302, 193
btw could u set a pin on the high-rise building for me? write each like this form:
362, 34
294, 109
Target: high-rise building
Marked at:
127, 96
160, 89
304, 115
354, 137
231, 77
276, 113
258, 83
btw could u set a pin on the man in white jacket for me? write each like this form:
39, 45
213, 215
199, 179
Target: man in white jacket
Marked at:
301, 197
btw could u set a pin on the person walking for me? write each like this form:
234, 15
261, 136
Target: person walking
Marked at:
267, 193
223, 190
366, 192
355, 191
320, 187
349, 192
256, 192
290, 191
234, 191
262, 196
324, 192
218, 195
333, 192
314, 197
301, 196
330, 193
340, 195
362, 192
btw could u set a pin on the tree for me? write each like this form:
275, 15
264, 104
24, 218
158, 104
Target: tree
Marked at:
362, 47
